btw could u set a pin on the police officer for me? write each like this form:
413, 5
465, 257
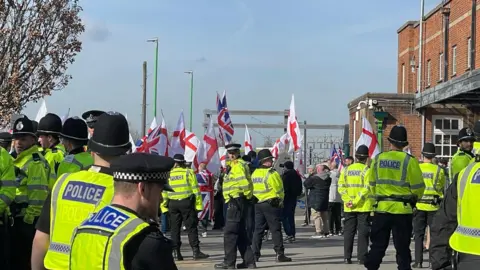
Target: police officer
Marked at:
183, 206
32, 174
237, 191
426, 207
91, 118
396, 181
6, 140
48, 132
76, 195
269, 194
7, 195
476, 144
125, 234
358, 205
464, 155
74, 136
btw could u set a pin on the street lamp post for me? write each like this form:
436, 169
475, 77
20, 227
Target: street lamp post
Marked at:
156, 76
191, 98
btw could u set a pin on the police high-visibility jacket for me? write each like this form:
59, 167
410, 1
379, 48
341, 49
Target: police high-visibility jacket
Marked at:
267, 184
476, 148
434, 179
53, 156
185, 184
74, 197
100, 240
397, 175
352, 186
32, 174
465, 238
74, 163
237, 181
460, 161
8, 186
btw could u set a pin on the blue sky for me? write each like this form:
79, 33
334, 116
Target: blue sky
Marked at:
260, 51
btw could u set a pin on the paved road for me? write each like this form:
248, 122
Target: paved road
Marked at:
307, 253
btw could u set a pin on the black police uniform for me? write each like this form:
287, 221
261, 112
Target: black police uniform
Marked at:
91, 117
5, 140
357, 221
149, 249
250, 207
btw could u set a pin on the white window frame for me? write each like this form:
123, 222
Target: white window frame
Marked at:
429, 71
440, 67
445, 132
403, 78
454, 60
469, 53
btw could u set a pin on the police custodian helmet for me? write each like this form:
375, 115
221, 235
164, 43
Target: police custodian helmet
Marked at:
362, 151
429, 150
398, 136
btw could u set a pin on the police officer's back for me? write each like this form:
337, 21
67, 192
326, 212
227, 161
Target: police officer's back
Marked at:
269, 194
76, 195
125, 233
356, 196
396, 181
7, 195
74, 136
464, 155
49, 129
32, 174
183, 205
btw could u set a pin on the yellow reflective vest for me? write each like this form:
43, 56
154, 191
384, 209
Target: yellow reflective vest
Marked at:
267, 184
74, 163
74, 197
460, 161
100, 240
353, 187
395, 175
465, 238
238, 181
184, 182
476, 148
8, 186
53, 156
434, 179
31, 175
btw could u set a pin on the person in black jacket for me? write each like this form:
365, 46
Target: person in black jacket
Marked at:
319, 186
292, 186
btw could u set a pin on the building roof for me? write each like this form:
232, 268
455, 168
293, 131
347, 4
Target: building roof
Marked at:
382, 98
426, 16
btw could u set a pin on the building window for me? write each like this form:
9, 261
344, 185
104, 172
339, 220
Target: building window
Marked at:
454, 60
469, 53
429, 70
445, 134
440, 67
403, 78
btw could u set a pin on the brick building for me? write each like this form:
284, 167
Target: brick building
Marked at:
448, 96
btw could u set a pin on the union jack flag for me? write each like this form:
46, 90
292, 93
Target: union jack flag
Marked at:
224, 121
205, 184
337, 157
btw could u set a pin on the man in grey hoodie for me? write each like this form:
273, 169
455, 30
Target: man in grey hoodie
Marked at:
334, 202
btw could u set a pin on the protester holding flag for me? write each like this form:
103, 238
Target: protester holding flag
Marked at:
205, 183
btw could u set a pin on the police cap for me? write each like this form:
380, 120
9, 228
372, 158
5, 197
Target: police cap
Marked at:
264, 154
233, 147
398, 136
5, 137
143, 167
50, 124
362, 151
23, 126
465, 134
429, 150
35, 126
75, 128
91, 117
179, 158
112, 136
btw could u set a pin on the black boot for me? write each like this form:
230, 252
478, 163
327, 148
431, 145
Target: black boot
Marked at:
348, 261
417, 265
243, 265
198, 255
223, 266
283, 258
177, 255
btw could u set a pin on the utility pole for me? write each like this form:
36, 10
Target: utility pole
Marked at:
144, 99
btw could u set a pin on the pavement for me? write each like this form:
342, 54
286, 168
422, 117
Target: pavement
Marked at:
306, 253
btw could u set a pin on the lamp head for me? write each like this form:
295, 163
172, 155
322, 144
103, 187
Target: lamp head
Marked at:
152, 40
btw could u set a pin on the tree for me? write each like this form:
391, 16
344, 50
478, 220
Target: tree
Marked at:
39, 40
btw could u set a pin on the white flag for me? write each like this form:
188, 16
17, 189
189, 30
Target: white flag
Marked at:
293, 129
191, 146
369, 139
42, 111
248, 141
177, 145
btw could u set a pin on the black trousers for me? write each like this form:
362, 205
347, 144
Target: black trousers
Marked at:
5, 248
420, 221
21, 243
400, 225
218, 203
335, 217
308, 215
235, 234
183, 211
356, 221
250, 220
468, 262
265, 214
